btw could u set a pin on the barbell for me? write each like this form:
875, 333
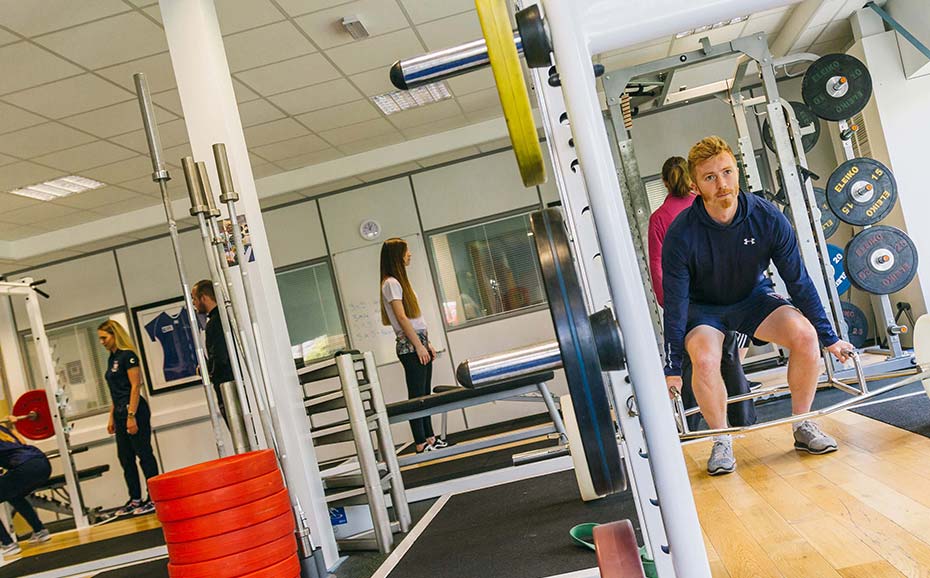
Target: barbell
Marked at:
31, 416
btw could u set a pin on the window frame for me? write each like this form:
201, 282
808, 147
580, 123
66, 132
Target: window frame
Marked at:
434, 273
328, 261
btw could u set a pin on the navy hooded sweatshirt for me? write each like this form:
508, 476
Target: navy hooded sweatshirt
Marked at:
706, 263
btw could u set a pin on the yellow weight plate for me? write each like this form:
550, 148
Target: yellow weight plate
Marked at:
511, 88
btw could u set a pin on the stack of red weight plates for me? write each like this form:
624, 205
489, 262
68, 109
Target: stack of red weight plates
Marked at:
228, 518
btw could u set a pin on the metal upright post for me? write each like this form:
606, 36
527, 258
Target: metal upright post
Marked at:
160, 175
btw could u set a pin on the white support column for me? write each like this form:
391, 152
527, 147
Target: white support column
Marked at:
211, 114
17, 380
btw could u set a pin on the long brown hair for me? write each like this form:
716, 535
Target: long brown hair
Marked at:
677, 177
123, 341
392, 265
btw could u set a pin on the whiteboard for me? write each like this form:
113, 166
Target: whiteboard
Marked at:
359, 274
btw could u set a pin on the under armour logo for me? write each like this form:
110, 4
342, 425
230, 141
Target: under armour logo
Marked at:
749, 241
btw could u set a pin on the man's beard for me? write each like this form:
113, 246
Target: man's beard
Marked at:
727, 201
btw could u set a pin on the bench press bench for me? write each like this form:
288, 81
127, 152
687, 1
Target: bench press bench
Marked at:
58, 499
452, 398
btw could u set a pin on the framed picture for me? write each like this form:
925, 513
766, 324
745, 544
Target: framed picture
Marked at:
166, 345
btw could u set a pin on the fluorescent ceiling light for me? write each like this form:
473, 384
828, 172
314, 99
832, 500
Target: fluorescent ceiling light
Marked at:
353, 25
713, 26
391, 102
59, 188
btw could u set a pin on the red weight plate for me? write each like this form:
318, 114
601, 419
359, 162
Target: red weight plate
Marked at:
220, 499
39, 427
231, 542
617, 550
287, 567
211, 475
239, 564
227, 520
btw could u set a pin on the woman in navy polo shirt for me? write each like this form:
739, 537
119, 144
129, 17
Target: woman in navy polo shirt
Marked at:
27, 468
130, 418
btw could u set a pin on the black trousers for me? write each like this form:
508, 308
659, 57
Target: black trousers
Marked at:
18, 483
135, 446
738, 414
419, 381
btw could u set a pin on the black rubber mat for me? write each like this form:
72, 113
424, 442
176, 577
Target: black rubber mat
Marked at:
153, 569
518, 530
84, 553
909, 413
443, 471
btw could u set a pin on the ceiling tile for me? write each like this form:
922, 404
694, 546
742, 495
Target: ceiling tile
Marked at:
374, 142
243, 92
258, 112
808, 36
260, 46
373, 82
236, 15
339, 115
435, 127
173, 155
127, 37
113, 120
634, 57
473, 82
15, 233
484, 114
369, 128
449, 157
69, 220
41, 139
171, 100
7, 38
31, 20
96, 198
835, 31
36, 213
26, 65
132, 204
170, 133
79, 158
10, 202
155, 12
159, 74
826, 12
290, 148
104, 243
831, 47
769, 22
379, 52
298, 7
308, 159
146, 186
122, 171
318, 96
70, 96
46, 258
289, 75
487, 98
495, 145
450, 31
265, 170
425, 10
278, 130
425, 114
5, 160
12, 118
378, 17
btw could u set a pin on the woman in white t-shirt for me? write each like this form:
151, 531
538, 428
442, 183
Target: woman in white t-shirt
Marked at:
401, 310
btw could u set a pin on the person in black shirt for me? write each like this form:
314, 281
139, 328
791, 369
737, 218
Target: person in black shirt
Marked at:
27, 468
130, 417
219, 367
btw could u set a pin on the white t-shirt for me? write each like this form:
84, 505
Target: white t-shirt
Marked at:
391, 290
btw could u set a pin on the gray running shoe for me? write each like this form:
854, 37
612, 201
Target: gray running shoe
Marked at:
809, 438
10, 549
721, 459
40, 536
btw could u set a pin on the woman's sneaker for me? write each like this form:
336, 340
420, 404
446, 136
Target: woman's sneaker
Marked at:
40, 537
147, 507
129, 508
440, 443
427, 448
10, 549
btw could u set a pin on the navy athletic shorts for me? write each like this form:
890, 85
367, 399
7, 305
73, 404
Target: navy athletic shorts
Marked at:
744, 316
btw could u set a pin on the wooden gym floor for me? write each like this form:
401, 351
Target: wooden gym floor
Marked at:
71, 538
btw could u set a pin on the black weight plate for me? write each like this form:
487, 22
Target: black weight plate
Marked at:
857, 325
805, 117
828, 221
836, 86
579, 353
862, 191
881, 260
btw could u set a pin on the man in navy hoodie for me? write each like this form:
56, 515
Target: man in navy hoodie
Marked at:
714, 261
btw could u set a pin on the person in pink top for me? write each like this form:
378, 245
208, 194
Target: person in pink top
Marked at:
677, 179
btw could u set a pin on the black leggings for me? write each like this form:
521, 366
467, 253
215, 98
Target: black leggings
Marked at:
138, 445
18, 483
419, 379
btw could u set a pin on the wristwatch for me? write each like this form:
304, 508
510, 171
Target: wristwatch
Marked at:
130, 414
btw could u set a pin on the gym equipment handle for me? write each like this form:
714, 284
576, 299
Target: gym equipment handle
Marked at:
444, 64
159, 172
